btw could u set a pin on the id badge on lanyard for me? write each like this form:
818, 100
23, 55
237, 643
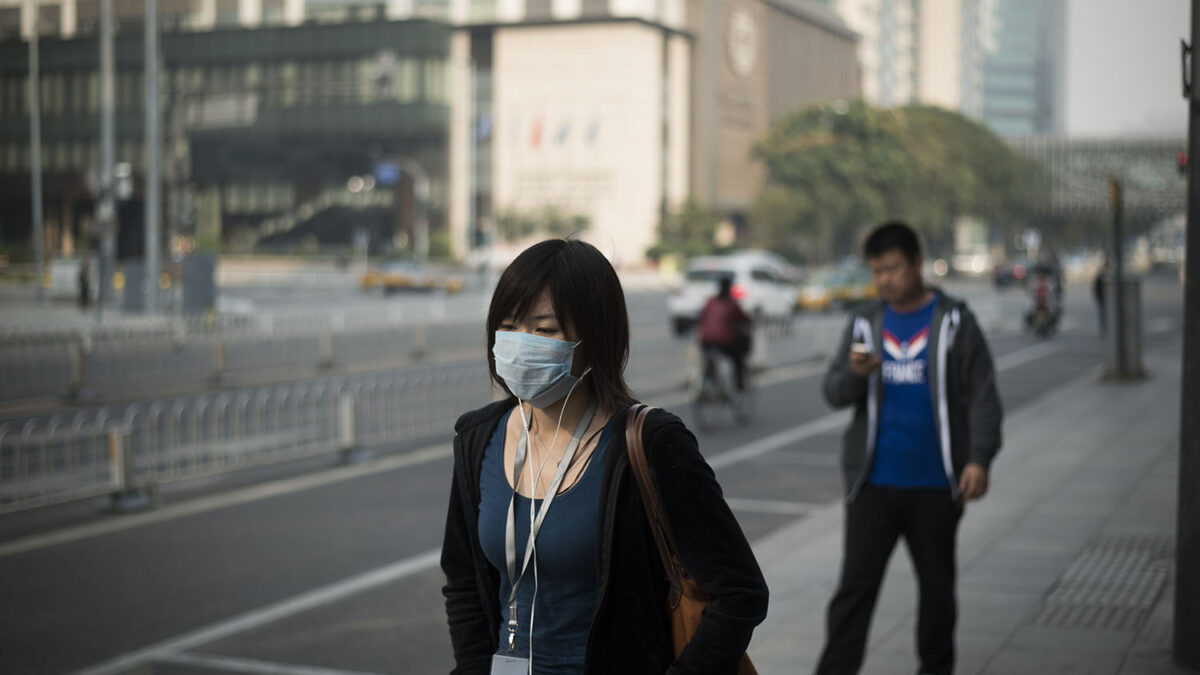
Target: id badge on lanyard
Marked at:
503, 664
509, 663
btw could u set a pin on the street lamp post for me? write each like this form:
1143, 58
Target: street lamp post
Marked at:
106, 211
35, 151
420, 181
153, 154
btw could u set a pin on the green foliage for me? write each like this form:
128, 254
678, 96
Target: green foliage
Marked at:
514, 225
688, 231
835, 170
440, 245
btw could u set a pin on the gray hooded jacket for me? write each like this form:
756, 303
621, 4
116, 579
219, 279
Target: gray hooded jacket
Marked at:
962, 382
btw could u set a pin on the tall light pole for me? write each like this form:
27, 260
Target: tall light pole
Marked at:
1187, 539
153, 155
420, 183
35, 150
106, 209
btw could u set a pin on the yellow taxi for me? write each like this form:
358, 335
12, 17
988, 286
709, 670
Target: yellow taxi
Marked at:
831, 288
399, 275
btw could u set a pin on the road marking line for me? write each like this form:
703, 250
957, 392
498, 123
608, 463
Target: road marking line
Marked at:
170, 648
772, 506
239, 665
269, 614
1025, 355
779, 440
220, 501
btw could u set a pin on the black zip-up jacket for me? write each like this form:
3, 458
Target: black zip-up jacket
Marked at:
962, 379
630, 630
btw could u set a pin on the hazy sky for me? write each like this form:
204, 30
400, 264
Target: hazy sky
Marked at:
1123, 73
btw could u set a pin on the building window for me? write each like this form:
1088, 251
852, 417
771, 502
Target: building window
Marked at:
79, 159
10, 22
49, 20
14, 96
436, 87
87, 16
407, 80
273, 12
227, 12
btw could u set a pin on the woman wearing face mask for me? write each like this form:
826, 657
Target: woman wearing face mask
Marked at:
587, 593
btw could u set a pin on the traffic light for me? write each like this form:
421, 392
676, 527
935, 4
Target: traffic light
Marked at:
1181, 163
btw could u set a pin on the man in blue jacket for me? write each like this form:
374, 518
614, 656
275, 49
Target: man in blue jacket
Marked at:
926, 426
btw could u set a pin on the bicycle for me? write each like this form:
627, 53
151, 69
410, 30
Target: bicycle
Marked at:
718, 392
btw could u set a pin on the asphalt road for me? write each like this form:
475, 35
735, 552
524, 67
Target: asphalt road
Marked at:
334, 570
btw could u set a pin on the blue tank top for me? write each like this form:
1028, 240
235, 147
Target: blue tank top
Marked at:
567, 549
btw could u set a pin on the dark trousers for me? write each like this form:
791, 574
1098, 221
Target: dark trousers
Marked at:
928, 521
737, 354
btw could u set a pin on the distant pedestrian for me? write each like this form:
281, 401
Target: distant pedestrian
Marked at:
917, 370
85, 282
1098, 294
580, 587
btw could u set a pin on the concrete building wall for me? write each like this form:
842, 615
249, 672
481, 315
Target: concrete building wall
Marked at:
579, 126
742, 111
940, 53
887, 48
808, 64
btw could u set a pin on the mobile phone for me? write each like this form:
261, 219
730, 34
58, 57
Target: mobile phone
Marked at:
860, 348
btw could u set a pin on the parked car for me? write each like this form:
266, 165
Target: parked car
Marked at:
831, 288
396, 275
763, 283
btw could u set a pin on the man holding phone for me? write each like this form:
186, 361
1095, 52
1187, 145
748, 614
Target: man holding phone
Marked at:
918, 371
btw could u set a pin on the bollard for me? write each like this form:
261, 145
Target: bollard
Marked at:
218, 371
757, 359
126, 495
420, 342
75, 358
1123, 340
347, 438
325, 351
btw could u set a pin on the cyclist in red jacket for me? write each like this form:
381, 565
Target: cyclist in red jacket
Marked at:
726, 328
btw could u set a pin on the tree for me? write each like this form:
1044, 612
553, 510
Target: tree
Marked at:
835, 170
515, 225
687, 231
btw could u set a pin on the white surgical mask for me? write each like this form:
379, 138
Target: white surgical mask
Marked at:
536, 369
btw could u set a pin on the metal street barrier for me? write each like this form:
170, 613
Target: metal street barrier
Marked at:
145, 445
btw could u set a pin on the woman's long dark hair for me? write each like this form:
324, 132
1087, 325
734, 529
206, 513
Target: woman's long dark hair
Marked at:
587, 297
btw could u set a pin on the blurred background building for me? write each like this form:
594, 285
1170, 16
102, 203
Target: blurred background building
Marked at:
1002, 62
290, 123
295, 124
1024, 76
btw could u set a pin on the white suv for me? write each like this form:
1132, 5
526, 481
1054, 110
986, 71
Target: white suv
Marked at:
763, 283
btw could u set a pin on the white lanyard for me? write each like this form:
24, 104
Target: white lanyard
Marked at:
510, 536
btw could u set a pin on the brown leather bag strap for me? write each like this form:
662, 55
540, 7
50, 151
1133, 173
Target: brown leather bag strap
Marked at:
655, 515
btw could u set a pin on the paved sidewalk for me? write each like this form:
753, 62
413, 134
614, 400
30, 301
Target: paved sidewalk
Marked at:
1065, 567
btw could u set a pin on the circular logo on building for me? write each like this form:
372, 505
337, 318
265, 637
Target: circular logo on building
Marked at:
741, 42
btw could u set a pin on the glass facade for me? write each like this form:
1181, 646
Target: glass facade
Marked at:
1023, 76
271, 122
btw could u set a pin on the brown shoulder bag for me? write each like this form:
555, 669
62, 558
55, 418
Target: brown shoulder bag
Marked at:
686, 602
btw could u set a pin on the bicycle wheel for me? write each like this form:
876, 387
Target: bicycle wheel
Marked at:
706, 405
